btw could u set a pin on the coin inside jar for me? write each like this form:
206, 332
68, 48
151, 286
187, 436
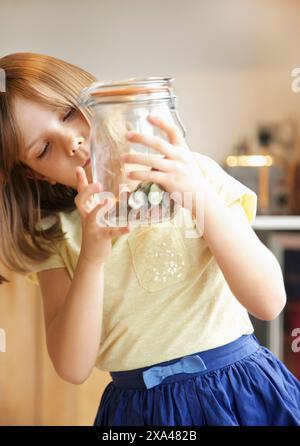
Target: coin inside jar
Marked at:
137, 199
155, 194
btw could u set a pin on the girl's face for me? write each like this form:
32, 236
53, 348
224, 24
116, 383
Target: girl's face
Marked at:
56, 141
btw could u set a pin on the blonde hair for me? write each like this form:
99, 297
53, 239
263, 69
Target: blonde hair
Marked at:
25, 201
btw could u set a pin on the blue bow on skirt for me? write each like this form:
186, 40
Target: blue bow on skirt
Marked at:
155, 375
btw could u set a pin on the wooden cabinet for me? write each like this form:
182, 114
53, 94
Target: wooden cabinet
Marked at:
31, 392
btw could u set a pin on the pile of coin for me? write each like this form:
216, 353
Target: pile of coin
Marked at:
146, 195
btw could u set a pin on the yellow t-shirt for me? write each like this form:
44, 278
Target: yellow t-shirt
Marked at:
164, 293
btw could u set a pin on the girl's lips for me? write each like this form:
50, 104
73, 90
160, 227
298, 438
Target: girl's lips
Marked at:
87, 162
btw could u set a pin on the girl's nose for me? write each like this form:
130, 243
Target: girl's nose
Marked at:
75, 144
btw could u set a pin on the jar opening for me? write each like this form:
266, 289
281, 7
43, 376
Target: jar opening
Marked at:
131, 90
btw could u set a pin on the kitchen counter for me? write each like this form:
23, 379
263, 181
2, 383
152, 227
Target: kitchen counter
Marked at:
277, 223
278, 232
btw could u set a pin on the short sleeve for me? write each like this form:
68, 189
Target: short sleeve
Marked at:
54, 261
226, 186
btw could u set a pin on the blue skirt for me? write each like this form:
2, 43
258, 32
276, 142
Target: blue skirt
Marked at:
238, 384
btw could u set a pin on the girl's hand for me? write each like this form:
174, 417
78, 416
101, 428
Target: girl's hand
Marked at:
96, 240
176, 172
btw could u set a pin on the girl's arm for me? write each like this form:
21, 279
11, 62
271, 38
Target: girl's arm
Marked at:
73, 335
250, 269
74, 330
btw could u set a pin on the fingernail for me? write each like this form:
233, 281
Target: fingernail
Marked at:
154, 117
130, 134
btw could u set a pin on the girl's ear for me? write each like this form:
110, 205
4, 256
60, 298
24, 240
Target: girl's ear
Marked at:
32, 174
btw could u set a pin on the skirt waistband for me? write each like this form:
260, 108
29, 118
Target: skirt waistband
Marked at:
187, 366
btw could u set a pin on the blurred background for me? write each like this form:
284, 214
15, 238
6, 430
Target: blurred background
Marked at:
233, 63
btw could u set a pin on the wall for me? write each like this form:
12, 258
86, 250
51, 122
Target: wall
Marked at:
231, 59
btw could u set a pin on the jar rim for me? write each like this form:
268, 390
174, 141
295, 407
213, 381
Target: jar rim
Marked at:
130, 90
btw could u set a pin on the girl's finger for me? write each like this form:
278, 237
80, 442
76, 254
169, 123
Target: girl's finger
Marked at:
120, 231
85, 204
156, 143
89, 190
173, 132
152, 176
93, 214
146, 159
82, 181
125, 230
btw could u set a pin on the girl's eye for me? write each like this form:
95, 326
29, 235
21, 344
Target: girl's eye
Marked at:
44, 151
68, 114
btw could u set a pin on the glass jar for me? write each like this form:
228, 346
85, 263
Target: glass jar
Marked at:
116, 108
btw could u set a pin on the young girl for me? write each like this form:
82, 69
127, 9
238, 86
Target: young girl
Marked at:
164, 312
